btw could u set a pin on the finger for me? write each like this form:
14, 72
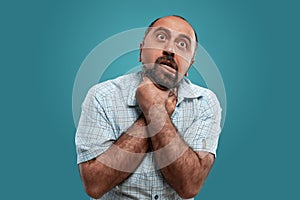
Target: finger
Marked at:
146, 80
171, 94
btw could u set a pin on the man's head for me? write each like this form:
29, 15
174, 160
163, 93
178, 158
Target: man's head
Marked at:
168, 50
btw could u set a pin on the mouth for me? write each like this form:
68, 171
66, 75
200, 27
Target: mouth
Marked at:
169, 62
165, 73
168, 69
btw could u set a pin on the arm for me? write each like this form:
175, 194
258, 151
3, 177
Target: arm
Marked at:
188, 171
101, 174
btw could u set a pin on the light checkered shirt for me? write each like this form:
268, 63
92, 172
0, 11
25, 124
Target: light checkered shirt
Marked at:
110, 108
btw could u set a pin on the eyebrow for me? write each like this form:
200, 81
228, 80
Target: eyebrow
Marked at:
169, 32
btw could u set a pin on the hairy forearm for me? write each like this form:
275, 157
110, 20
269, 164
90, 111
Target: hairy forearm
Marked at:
180, 165
117, 163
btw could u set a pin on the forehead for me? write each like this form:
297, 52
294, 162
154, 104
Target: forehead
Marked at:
176, 24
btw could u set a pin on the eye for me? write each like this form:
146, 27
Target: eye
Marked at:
182, 44
161, 36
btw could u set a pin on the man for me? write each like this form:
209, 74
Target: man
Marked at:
151, 134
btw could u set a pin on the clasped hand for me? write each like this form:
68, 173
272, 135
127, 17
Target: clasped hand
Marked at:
149, 96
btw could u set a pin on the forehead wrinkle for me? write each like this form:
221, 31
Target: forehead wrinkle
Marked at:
163, 29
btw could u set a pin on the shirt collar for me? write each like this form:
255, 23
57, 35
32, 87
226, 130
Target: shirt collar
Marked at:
185, 90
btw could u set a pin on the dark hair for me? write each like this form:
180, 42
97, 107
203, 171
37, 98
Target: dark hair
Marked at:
152, 23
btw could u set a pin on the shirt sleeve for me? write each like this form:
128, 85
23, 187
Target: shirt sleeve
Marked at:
95, 132
203, 134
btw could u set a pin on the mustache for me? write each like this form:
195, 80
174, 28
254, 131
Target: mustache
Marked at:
167, 60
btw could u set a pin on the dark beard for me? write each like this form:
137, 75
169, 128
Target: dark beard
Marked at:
163, 81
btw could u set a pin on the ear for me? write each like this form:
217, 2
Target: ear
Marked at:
192, 62
141, 49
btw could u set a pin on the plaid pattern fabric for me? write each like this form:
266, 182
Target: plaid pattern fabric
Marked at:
110, 108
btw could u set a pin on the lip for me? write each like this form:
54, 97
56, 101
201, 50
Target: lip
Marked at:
168, 69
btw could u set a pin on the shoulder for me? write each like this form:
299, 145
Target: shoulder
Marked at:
205, 92
111, 87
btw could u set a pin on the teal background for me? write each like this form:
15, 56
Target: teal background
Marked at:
255, 45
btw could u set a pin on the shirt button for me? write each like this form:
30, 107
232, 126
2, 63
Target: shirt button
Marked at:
156, 197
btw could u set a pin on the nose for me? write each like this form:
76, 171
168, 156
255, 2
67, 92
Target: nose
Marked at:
168, 53
169, 48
